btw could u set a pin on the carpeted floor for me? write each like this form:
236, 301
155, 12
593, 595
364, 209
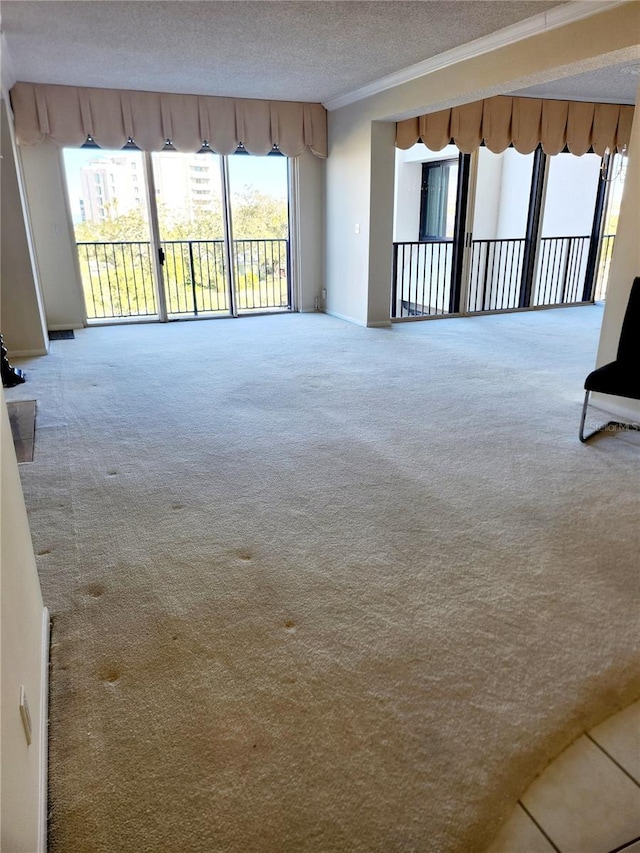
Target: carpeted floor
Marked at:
321, 588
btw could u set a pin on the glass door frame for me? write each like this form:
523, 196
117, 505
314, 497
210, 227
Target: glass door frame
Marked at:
157, 257
535, 212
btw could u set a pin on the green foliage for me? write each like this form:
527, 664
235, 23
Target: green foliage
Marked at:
118, 280
258, 216
121, 229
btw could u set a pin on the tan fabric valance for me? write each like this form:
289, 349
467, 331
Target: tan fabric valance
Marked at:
524, 122
113, 117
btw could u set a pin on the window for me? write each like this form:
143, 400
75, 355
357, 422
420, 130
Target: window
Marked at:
438, 200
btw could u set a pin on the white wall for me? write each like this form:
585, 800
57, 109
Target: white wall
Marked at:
514, 195
487, 194
311, 229
355, 173
383, 136
347, 211
53, 236
22, 321
570, 198
24, 641
625, 266
406, 204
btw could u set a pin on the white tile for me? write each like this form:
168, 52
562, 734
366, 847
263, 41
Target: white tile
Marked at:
584, 803
520, 835
620, 737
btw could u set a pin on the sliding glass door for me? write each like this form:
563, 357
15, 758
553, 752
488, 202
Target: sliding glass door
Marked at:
258, 193
494, 232
173, 236
431, 201
107, 197
190, 203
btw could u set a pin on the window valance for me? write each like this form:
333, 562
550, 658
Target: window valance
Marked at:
525, 122
112, 118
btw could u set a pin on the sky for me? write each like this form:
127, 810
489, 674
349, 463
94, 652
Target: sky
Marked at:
267, 174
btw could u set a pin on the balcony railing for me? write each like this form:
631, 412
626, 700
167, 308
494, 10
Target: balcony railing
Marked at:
422, 275
422, 279
195, 277
496, 271
562, 264
118, 277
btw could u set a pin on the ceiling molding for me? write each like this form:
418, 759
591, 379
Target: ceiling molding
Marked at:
541, 23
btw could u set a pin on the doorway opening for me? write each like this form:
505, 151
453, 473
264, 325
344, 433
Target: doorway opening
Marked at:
499, 232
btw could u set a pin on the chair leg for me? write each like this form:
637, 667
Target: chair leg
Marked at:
620, 426
583, 418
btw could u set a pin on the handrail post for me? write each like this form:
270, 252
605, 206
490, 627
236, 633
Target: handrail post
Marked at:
394, 283
192, 273
565, 271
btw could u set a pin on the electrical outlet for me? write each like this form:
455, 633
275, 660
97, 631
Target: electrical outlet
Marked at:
357, 228
24, 713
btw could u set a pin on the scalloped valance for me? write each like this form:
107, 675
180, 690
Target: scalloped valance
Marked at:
112, 118
523, 122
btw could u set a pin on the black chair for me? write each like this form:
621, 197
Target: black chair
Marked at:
622, 376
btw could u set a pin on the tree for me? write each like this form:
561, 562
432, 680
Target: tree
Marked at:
257, 216
118, 279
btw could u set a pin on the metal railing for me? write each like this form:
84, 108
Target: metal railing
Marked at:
195, 277
118, 277
261, 274
421, 279
117, 280
495, 274
562, 264
421, 285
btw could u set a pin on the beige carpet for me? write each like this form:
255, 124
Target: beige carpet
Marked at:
322, 588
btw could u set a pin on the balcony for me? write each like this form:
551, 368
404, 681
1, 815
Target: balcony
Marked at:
422, 275
118, 278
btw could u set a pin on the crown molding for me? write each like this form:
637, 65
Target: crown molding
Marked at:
559, 16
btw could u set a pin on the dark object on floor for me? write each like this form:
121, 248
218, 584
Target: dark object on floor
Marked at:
622, 376
22, 417
62, 335
11, 376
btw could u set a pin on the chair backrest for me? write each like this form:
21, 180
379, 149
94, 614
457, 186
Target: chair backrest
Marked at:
629, 346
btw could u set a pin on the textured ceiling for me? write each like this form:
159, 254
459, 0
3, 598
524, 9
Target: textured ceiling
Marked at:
311, 51
616, 84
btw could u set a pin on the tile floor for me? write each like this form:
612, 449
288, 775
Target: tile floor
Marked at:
587, 800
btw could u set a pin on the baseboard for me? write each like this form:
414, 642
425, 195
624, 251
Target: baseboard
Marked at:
28, 353
344, 317
43, 735
379, 324
62, 327
614, 409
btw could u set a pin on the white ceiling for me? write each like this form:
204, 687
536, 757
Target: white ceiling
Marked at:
614, 84
308, 51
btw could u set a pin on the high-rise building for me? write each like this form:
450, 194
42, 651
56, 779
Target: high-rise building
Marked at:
187, 184
110, 187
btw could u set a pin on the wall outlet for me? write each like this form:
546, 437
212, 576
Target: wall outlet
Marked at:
357, 228
24, 713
